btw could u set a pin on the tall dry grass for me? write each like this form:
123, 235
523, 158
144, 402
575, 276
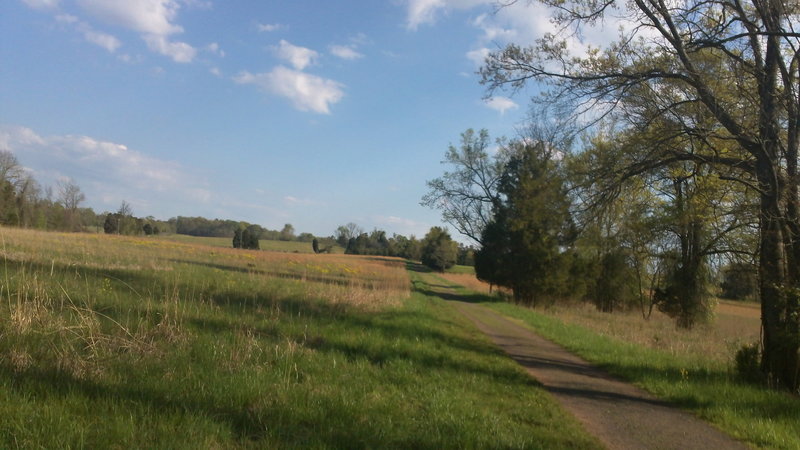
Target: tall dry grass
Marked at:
732, 326
78, 302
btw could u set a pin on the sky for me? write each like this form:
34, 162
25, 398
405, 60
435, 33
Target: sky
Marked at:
313, 113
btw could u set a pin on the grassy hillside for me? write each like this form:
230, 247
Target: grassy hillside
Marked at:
111, 341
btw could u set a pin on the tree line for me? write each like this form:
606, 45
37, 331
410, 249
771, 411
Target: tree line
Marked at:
684, 159
436, 249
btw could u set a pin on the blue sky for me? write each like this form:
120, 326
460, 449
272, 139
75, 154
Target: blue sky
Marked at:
313, 113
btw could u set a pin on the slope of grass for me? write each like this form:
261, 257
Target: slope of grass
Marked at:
109, 341
698, 382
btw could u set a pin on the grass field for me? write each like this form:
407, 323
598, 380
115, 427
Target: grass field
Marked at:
691, 369
266, 245
110, 341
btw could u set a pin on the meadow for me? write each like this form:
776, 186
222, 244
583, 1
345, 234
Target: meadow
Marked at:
114, 341
265, 244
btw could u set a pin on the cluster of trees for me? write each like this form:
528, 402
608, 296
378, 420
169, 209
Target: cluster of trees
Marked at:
25, 203
200, 226
247, 238
688, 159
436, 250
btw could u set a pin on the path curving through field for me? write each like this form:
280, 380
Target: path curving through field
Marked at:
619, 414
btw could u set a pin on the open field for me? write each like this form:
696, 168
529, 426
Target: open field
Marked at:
110, 341
267, 245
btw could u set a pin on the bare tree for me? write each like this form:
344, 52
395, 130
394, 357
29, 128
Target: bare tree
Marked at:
70, 196
468, 194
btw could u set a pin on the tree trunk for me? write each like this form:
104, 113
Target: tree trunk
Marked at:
780, 314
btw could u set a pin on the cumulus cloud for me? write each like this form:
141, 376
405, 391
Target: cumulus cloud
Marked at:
345, 52
100, 167
153, 19
179, 51
421, 12
501, 104
298, 57
306, 92
478, 56
91, 35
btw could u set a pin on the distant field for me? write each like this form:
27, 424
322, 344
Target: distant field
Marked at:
267, 245
134, 342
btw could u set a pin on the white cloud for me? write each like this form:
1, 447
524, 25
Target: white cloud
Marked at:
306, 92
152, 17
294, 201
215, 71
345, 52
501, 104
298, 57
104, 40
179, 51
269, 27
100, 167
42, 4
215, 49
406, 227
421, 12
98, 38
478, 56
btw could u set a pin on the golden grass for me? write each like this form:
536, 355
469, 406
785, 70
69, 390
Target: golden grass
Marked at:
55, 289
734, 325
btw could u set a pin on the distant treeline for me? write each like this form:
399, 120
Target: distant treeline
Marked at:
26, 203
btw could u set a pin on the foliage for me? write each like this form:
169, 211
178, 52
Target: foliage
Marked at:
526, 245
740, 281
439, 251
712, 83
467, 195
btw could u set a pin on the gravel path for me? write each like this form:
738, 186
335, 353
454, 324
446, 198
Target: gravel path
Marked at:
621, 415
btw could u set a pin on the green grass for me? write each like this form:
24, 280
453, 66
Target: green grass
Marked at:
462, 269
138, 343
754, 414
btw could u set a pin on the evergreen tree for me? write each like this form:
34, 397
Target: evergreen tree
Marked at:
237, 238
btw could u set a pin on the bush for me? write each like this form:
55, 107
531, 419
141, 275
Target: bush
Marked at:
747, 363
439, 251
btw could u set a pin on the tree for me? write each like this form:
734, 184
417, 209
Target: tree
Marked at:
439, 251
734, 61
250, 237
346, 232
525, 247
237, 238
111, 224
467, 195
315, 245
287, 233
70, 197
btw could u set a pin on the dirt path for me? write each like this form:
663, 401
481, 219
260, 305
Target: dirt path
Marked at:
620, 415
